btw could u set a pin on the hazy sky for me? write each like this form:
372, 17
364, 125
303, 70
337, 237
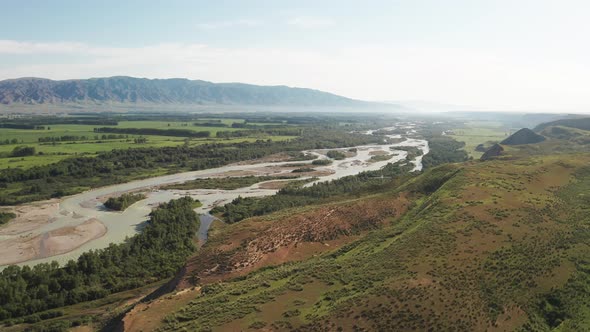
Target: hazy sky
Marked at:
513, 54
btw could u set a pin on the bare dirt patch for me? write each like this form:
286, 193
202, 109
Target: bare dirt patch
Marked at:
67, 239
28, 247
148, 316
258, 242
30, 217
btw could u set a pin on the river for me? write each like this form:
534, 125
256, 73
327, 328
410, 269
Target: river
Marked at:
76, 209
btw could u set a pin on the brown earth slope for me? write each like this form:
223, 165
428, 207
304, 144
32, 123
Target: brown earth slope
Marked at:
235, 250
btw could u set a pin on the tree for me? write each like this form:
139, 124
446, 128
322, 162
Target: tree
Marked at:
22, 151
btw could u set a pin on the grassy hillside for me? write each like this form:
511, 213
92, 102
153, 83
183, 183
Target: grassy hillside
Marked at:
577, 136
523, 136
499, 245
583, 123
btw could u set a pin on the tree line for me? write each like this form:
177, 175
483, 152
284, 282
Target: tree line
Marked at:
292, 196
154, 254
210, 124
279, 131
9, 141
42, 123
155, 132
443, 149
67, 138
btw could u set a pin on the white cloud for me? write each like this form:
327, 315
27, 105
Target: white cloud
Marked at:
18, 47
308, 22
229, 24
489, 78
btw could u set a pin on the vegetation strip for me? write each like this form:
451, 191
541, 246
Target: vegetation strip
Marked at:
154, 254
73, 175
122, 202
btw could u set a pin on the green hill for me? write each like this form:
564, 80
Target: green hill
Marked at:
523, 136
582, 123
575, 135
494, 151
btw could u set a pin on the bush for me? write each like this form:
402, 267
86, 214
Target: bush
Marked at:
22, 151
123, 202
303, 170
321, 162
6, 217
337, 155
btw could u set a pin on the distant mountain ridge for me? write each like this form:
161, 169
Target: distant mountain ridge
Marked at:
131, 90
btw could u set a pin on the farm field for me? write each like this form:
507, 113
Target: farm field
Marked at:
51, 152
479, 132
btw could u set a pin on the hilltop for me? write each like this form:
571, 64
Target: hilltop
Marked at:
523, 136
131, 90
494, 151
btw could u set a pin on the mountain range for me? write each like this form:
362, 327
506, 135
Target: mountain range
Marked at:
131, 90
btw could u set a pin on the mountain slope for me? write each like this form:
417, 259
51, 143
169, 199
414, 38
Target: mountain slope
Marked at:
161, 91
583, 123
571, 134
492, 152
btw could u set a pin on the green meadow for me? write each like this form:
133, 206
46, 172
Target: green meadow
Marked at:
51, 152
479, 132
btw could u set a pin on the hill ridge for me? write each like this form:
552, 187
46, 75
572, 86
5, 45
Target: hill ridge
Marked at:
523, 136
580, 123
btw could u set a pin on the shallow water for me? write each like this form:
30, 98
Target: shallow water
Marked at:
76, 209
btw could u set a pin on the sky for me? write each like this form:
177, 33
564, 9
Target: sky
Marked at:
492, 54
